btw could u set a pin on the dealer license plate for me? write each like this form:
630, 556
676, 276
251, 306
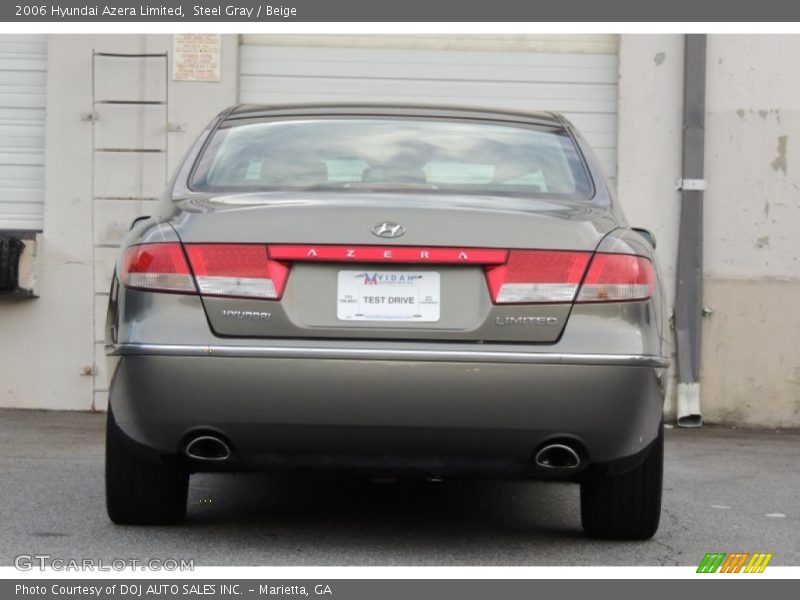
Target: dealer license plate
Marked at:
366, 295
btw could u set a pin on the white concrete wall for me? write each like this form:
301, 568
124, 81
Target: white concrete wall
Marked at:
751, 369
750, 361
649, 142
52, 351
751, 354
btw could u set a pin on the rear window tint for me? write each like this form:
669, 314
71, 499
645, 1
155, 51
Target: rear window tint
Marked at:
432, 155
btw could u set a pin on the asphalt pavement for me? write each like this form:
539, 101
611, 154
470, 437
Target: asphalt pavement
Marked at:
725, 490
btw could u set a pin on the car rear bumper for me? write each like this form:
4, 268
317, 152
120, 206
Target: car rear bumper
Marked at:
433, 411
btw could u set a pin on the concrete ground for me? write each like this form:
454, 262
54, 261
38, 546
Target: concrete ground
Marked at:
725, 490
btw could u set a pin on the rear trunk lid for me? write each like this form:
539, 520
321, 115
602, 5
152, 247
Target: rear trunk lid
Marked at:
428, 283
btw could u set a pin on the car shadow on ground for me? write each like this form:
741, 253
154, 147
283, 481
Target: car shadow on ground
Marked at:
359, 506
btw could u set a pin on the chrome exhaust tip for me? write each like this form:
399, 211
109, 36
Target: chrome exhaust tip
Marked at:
208, 447
557, 456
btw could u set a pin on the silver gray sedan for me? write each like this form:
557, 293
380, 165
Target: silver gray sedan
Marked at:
399, 291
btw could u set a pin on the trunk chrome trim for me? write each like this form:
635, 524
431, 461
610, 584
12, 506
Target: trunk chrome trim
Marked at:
443, 355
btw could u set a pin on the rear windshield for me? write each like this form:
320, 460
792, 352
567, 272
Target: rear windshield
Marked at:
386, 154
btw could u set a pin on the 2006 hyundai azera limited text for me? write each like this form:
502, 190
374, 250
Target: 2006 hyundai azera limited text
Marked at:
394, 290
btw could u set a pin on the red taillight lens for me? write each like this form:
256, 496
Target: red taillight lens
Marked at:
160, 267
537, 276
618, 278
527, 276
242, 270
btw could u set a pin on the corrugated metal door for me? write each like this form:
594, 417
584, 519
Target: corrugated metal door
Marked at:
578, 79
23, 78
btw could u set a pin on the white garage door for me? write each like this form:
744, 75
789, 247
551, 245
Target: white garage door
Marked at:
23, 77
581, 84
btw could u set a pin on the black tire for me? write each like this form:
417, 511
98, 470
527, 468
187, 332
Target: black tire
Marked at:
139, 492
627, 506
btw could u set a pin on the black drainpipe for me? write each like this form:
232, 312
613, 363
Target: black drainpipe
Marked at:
689, 287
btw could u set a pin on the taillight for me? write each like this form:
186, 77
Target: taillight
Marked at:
617, 278
537, 276
160, 267
526, 277
242, 270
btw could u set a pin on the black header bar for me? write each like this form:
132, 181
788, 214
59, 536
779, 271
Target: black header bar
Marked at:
255, 11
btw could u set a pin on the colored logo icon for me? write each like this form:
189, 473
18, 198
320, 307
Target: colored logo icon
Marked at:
735, 562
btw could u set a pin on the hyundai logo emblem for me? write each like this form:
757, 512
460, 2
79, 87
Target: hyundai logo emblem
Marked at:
388, 229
